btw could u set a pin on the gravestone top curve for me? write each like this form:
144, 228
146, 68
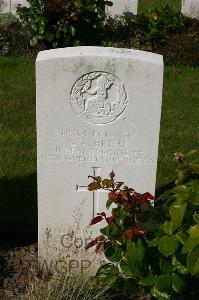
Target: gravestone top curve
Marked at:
100, 51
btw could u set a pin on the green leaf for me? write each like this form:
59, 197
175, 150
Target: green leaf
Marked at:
33, 41
105, 230
194, 198
193, 261
131, 265
178, 284
49, 36
73, 30
148, 281
94, 186
109, 202
193, 239
107, 274
150, 226
189, 244
163, 283
165, 266
194, 231
159, 295
98, 179
181, 236
153, 243
167, 245
181, 193
178, 266
42, 28
196, 218
107, 182
113, 231
113, 253
177, 214
181, 176
167, 227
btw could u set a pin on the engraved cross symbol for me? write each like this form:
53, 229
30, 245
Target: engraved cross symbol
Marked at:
80, 188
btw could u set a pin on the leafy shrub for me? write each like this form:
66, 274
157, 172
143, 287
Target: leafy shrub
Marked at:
159, 23
120, 30
10, 28
59, 23
151, 247
4, 45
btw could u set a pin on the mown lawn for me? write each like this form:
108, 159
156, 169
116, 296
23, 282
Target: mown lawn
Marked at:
18, 210
18, 192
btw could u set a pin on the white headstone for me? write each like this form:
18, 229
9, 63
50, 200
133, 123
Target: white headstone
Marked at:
98, 110
190, 8
10, 5
121, 6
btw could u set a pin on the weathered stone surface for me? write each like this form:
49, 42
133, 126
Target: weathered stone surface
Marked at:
98, 110
10, 5
190, 8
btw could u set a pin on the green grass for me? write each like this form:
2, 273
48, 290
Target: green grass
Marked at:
144, 5
179, 121
18, 146
179, 132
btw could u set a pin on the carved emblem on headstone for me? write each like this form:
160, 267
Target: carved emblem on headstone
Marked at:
99, 97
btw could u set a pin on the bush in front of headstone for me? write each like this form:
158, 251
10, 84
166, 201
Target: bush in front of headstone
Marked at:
59, 23
152, 245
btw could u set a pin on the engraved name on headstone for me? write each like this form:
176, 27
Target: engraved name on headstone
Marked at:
98, 110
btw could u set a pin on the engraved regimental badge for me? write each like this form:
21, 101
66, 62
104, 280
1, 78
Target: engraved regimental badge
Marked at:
98, 97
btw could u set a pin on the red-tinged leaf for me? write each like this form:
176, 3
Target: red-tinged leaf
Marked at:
113, 196
114, 212
128, 234
102, 214
135, 199
149, 196
100, 238
124, 195
143, 202
109, 220
137, 230
99, 247
91, 244
96, 220
112, 175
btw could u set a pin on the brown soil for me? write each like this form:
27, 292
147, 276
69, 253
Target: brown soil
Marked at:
18, 267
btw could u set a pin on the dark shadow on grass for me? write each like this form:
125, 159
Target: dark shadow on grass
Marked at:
18, 210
